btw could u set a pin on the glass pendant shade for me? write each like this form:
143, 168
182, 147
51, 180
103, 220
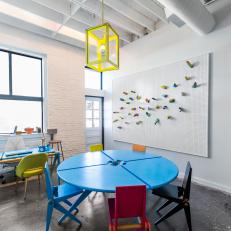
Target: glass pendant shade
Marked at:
102, 48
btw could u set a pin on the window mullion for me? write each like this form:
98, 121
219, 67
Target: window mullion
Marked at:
10, 74
92, 114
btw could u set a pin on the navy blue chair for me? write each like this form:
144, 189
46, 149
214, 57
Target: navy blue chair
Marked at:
58, 194
179, 195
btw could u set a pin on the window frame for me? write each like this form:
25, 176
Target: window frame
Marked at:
99, 95
102, 111
101, 78
11, 96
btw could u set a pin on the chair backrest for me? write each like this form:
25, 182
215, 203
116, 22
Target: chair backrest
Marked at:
130, 201
15, 142
49, 185
138, 148
96, 147
187, 181
31, 162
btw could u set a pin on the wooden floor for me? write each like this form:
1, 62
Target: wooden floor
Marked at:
211, 210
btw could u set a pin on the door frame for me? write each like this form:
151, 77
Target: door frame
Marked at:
102, 112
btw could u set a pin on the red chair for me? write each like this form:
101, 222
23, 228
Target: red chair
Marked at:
130, 202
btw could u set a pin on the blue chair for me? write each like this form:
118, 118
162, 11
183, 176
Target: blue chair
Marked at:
58, 194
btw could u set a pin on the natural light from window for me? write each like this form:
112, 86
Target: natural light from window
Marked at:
26, 76
92, 79
4, 73
21, 98
92, 114
19, 113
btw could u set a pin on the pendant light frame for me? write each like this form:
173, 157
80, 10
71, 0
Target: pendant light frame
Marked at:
102, 47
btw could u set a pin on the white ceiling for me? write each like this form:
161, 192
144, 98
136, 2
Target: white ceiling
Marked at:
67, 20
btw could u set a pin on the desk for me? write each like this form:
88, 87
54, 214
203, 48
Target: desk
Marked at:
8, 158
104, 171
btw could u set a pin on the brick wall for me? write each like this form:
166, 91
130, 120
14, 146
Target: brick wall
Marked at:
65, 109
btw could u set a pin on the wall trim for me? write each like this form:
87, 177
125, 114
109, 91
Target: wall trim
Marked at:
209, 184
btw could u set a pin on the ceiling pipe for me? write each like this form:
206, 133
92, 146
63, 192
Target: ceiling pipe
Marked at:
193, 13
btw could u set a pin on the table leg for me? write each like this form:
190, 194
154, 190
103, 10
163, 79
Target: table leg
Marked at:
58, 157
83, 196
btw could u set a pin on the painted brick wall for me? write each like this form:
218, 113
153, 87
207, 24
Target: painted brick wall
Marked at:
65, 109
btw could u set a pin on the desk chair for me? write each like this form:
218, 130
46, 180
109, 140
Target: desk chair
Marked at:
31, 165
57, 145
129, 202
177, 194
58, 194
96, 148
138, 148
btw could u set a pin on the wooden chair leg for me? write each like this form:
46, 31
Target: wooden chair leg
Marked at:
39, 179
110, 227
16, 184
25, 189
169, 213
188, 216
147, 226
43, 180
61, 148
51, 158
164, 205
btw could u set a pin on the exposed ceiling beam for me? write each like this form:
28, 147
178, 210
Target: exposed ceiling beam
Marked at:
61, 6
134, 5
73, 9
15, 22
81, 16
69, 40
93, 20
132, 14
33, 7
154, 8
112, 16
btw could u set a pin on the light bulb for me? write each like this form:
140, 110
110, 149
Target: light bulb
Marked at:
102, 50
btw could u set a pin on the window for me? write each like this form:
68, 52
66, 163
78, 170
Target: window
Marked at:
21, 96
4, 73
92, 79
94, 107
92, 113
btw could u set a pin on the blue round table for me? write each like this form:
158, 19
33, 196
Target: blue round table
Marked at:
104, 171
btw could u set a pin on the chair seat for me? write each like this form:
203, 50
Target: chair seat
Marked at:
32, 172
170, 191
67, 190
54, 141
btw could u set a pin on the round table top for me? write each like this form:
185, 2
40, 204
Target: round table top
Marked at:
104, 171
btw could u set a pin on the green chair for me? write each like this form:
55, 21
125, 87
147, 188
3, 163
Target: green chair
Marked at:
96, 147
31, 165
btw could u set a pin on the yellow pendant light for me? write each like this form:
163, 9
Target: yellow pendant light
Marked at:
102, 47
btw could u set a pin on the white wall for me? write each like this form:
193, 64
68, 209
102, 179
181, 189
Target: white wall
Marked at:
167, 45
65, 84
